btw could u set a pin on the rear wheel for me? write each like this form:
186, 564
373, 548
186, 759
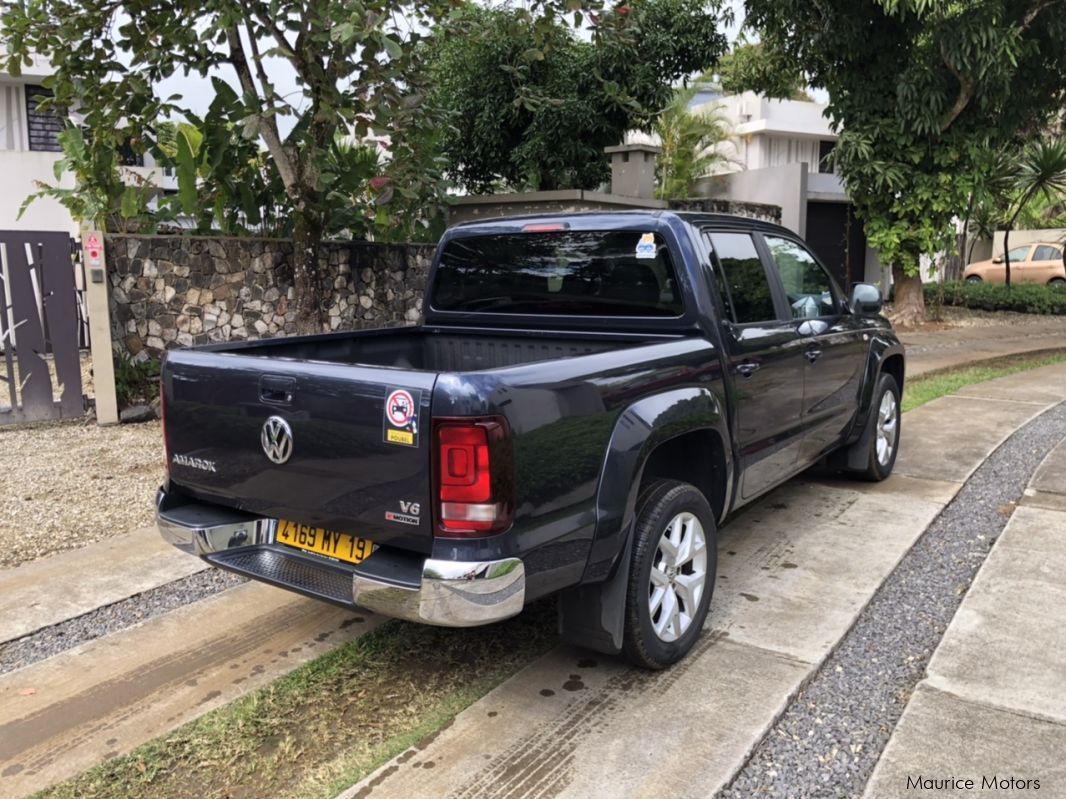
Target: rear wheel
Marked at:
1057, 282
672, 575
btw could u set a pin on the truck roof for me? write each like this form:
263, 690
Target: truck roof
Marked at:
696, 218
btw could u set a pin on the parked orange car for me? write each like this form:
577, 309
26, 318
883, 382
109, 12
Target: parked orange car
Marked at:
1039, 262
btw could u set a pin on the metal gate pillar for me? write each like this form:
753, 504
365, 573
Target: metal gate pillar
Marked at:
92, 243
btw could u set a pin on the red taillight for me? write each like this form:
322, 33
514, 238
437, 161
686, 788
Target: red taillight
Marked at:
474, 465
545, 227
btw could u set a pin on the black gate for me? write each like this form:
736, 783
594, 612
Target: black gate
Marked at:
40, 370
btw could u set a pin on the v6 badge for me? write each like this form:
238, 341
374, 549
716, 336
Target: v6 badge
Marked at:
400, 423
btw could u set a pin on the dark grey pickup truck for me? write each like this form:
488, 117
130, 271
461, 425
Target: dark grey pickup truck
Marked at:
589, 397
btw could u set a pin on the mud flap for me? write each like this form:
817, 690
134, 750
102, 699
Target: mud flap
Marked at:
593, 616
858, 454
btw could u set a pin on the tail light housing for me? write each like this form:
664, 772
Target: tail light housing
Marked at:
473, 476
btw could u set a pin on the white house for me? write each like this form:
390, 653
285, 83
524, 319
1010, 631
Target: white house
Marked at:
29, 150
778, 154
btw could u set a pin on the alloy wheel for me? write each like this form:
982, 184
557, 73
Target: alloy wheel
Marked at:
887, 427
678, 576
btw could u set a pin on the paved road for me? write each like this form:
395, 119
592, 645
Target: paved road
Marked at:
794, 574
992, 710
943, 349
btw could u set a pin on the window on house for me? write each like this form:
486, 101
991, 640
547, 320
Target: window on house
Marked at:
44, 126
825, 150
128, 157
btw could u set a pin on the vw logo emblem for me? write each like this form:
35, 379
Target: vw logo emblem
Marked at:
276, 439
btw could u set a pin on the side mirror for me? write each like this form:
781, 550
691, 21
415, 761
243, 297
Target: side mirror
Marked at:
998, 259
866, 299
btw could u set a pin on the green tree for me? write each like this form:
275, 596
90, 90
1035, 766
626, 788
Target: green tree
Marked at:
919, 89
1041, 171
751, 66
357, 65
690, 146
531, 105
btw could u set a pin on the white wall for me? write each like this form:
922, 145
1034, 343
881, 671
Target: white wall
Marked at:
1020, 237
20, 170
784, 186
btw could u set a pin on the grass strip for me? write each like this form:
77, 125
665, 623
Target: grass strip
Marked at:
923, 389
330, 722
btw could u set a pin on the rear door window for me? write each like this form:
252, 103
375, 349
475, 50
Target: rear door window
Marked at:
742, 279
1045, 252
586, 272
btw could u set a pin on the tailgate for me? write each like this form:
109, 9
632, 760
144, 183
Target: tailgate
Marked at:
332, 445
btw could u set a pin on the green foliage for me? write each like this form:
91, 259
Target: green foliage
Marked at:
750, 66
689, 142
99, 195
1040, 171
136, 382
531, 105
1021, 297
928, 387
920, 90
358, 68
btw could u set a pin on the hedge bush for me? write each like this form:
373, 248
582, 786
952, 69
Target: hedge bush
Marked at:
1022, 297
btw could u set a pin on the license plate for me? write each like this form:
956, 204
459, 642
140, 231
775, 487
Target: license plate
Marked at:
342, 546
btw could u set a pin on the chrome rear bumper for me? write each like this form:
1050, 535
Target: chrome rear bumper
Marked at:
443, 592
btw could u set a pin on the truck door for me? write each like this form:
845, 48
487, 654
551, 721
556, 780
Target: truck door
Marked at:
833, 346
765, 359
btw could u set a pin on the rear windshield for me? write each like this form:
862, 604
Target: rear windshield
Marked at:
599, 272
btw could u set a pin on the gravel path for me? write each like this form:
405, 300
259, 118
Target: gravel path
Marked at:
68, 484
112, 618
831, 735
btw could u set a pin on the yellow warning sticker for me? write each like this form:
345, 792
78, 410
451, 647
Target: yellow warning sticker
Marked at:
400, 437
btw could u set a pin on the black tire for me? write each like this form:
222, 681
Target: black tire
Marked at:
973, 279
1057, 282
878, 468
660, 504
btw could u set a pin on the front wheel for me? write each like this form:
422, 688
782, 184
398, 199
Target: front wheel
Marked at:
973, 280
672, 575
883, 440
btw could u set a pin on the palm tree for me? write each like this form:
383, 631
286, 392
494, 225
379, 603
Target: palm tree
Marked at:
1041, 170
690, 145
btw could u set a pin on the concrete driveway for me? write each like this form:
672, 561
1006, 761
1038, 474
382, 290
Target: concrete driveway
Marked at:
795, 572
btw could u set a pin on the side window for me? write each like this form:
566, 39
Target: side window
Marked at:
1019, 254
745, 288
1045, 252
807, 286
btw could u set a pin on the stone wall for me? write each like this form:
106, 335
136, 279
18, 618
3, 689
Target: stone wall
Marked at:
178, 291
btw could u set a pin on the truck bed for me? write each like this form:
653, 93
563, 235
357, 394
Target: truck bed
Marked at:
435, 350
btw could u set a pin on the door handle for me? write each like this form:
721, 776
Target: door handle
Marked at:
276, 390
812, 354
747, 369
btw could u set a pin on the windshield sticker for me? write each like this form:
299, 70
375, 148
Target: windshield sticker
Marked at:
646, 246
400, 425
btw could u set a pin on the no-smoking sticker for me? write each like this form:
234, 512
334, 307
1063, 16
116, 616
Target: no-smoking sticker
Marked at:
401, 416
